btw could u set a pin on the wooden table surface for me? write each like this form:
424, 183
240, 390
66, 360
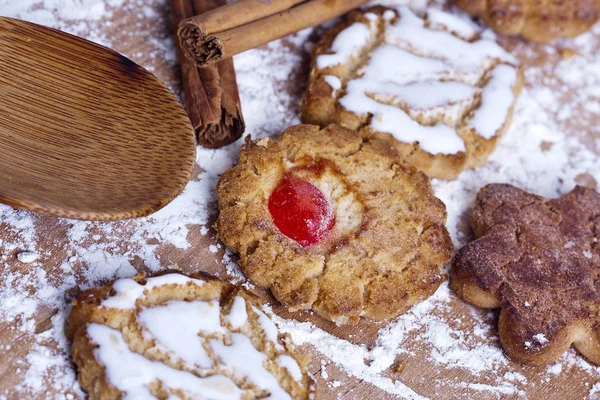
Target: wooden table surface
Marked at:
414, 367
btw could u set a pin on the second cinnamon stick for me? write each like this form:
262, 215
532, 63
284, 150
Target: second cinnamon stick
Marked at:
211, 94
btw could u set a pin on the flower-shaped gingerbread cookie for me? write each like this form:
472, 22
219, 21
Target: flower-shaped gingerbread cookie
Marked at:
540, 262
334, 222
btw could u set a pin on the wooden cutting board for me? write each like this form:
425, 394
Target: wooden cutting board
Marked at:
414, 368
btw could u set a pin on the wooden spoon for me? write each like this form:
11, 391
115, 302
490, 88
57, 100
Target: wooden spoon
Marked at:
85, 132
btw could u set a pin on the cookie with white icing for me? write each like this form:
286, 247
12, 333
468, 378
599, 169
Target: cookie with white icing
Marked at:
176, 337
334, 222
439, 93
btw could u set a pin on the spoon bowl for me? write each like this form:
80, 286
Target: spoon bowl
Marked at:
85, 132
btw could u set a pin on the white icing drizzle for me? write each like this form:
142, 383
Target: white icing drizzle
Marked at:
429, 75
238, 315
410, 31
131, 373
291, 366
496, 99
334, 82
435, 139
246, 361
392, 64
176, 325
127, 291
268, 327
346, 45
461, 25
422, 95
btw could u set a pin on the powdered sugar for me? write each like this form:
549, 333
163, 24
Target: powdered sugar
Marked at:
540, 338
27, 256
548, 149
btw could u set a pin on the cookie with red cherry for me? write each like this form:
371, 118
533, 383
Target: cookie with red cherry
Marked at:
334, 222
538, 260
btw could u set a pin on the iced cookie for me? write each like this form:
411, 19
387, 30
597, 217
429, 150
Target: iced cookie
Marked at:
175, 337
429, 85
334, 222
534, 20
539, 261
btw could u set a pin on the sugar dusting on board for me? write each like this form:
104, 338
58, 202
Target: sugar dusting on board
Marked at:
536, 154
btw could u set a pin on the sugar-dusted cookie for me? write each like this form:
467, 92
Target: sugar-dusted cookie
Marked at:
540, 261
540, 21
334, 222
176, 337
440, 94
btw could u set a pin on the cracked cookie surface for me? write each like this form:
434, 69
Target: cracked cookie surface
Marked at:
538, 21
172, 336
387, 244
440, 94
539, 261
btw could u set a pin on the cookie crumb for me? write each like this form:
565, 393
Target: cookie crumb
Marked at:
264, 142
567, 53
540, 338
28, 257
399, 367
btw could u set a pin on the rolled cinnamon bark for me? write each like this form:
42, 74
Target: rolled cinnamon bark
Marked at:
211, 94
209, 39
240, 13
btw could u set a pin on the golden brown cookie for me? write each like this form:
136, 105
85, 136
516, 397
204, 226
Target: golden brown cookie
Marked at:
540, 21
334, 222
540, 262
442, 96
172, 336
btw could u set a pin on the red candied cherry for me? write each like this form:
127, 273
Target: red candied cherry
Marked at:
300, 211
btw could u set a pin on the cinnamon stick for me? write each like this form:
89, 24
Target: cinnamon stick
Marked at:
240, 13
247, 24
211, 94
